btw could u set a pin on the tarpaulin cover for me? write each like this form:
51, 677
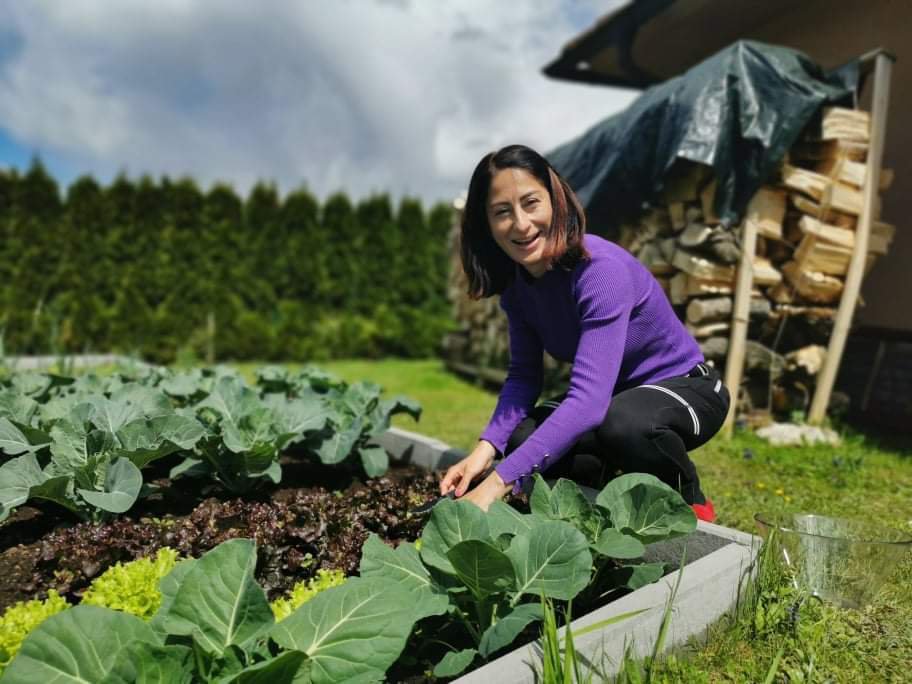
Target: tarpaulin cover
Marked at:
738, 112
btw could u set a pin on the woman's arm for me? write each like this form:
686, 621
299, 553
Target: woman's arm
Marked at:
525, 376
604, 297
517, 396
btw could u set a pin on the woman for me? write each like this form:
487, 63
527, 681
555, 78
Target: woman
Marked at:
640, 395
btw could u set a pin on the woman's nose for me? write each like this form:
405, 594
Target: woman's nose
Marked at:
523, 220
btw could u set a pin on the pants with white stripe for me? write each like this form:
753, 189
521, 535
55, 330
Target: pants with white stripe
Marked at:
647, 429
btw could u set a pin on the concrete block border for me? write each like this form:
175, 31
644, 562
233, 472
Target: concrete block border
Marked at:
76, 360
717, 561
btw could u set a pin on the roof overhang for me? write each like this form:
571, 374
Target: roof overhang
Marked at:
644, 42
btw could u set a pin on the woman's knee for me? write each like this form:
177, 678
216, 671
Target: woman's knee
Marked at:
623, 430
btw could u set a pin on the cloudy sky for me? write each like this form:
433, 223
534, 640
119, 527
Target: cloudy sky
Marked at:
402, 96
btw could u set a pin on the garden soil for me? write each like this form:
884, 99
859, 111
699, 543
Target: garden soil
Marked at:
317, 518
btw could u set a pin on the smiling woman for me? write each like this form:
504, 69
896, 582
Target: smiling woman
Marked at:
640, 393
519, 212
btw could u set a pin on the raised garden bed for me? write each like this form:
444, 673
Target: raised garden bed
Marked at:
304, 453
716, 561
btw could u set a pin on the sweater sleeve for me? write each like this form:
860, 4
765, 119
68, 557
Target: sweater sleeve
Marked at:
524, 378
604, 297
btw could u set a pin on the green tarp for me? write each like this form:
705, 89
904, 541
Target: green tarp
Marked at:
738, 112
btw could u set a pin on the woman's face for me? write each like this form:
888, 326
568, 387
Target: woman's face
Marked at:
519, 213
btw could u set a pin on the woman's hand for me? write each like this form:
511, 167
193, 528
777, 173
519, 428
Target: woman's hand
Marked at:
461, 475
491, 489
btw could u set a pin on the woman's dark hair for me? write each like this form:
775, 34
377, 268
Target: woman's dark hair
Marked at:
488, 269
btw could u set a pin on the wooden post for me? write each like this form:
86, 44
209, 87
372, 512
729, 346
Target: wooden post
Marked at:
734, 364
883, 66
764, 213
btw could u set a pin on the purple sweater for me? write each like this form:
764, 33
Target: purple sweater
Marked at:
609, 317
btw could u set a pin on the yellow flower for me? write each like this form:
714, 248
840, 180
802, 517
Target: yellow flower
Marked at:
780, 492
761, 485
788, 499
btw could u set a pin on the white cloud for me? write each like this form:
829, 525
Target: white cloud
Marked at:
361, 96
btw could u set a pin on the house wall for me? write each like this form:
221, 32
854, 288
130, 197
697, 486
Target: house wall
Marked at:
831, 32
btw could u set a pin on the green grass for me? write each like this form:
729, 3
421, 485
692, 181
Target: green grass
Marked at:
862, 478
859, 479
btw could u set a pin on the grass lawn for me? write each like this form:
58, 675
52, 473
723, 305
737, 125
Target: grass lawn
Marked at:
859, 479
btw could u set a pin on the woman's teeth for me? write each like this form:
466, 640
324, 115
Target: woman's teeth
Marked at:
523, 243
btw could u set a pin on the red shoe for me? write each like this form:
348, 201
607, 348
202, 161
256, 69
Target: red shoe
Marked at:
705, 511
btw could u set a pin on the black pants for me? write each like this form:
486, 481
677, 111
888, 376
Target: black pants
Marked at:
647, 429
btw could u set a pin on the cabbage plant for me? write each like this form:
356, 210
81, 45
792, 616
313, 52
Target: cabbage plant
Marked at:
215, 625
486, 573
88, 458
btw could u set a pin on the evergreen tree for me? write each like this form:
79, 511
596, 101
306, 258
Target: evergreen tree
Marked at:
130, 319
32, 241
261, 219
439, 238
380, 255
304, 268
9, 182
153, 267
415, 275
83, 290
185, 310
343, 246
302, 274
223, 270
425, 311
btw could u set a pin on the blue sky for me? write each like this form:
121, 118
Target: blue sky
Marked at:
12, 153
399, 96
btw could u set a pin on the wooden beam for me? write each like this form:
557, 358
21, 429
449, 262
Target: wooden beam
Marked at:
827, 214
700, 267
883, 67
827, 192
734, 363
705, 330
839, 123
810, 285
676, 214
765, 273
852, 172
769, 208
814, 254
684, 286
707, 201
701, 310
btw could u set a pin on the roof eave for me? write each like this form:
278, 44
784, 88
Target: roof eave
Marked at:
617, 29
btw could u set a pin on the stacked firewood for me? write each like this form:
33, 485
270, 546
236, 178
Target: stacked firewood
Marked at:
805, 217
805, 220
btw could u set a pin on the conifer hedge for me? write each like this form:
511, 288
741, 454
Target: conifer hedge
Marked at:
161, 269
